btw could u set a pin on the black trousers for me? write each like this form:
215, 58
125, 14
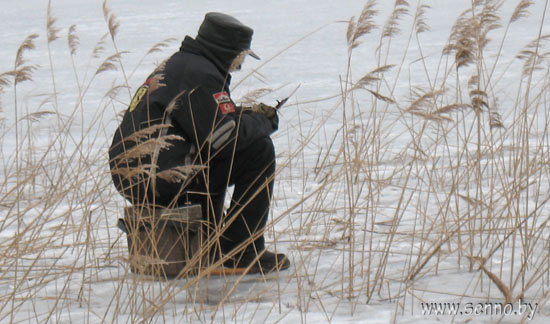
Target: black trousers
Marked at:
250, 171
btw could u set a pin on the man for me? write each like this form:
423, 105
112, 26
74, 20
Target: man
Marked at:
183, 140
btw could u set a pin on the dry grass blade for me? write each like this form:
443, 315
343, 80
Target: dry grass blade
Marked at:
477, 93
494, 278
521, 10
36, 116
72, 39
479, 99
382, 69
534, 62
114, 91
4, 79
479, 103
158, 47
526, 54
464, 52
534, 59
366, 80
473, 82
146, 133
381, 97
100, 46
450, 108
109, 63
148, 147
52, 30
24, 73
252, 97
372, 76
501, 286
155, 81
430, 116
495, 120
425, 101
133, 173
474, 202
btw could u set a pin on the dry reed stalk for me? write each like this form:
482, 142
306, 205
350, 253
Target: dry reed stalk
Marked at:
496, 280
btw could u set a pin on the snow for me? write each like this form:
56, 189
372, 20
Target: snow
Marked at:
354, 232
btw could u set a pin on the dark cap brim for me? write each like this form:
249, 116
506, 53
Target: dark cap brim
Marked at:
251, 53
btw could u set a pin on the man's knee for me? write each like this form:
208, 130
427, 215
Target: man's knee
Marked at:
258, 157
262, 152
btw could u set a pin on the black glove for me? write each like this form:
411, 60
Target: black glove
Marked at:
267, 111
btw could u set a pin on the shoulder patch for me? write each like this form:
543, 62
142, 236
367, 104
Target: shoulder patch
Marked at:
225, 104
138, 96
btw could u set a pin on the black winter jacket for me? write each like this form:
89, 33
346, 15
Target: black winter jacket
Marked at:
190, 93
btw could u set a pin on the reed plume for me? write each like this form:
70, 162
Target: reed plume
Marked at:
50, 24
391, 28
521, 10
99, 48
469, 34
364, 25
72, 39
420, 23
160, 46
109, 63
111, 19
24, 72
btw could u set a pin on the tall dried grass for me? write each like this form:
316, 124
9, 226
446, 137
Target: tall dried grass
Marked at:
446, 182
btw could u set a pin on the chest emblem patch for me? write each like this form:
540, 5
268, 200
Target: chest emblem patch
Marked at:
225, 104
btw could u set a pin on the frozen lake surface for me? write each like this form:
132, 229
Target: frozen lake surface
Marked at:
369, 186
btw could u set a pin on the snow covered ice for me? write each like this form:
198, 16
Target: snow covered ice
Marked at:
392, 195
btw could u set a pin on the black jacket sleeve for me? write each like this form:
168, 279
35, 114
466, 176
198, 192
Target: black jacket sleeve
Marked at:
211, 119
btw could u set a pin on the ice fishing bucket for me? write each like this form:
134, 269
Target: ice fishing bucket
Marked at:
163, 242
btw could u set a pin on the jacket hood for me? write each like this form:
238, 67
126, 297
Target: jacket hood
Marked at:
221, 57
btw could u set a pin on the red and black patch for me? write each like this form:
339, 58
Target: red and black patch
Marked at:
224, 102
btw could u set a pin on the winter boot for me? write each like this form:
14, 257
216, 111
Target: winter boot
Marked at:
265, 262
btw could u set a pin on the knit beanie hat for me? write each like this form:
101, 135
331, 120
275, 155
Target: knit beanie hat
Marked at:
225, 35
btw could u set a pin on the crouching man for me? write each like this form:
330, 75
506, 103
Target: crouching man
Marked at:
183, 117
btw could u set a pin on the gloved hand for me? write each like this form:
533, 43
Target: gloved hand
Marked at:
268, 111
